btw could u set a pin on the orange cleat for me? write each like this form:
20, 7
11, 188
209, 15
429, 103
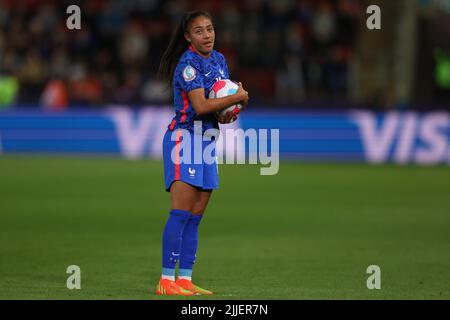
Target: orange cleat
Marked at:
167, 287
188, 285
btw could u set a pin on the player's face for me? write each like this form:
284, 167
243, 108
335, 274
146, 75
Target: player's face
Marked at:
201, 35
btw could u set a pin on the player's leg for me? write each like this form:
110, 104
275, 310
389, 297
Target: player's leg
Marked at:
183, 196
183, 199
190, 244
190, 235
202, 202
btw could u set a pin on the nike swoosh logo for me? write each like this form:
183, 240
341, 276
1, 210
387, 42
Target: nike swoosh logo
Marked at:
207, 74
174, 254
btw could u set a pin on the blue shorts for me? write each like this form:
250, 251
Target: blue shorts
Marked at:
179, 166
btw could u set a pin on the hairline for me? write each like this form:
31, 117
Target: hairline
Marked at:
192, 21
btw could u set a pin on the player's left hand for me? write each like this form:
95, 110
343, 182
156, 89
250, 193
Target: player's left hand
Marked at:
227, 118
244, 102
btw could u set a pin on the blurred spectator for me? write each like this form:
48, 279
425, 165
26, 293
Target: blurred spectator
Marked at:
290, 84
287, 50
84, 87
133, 45
32, 76
155, 91
55, 96
129, 91
8, 91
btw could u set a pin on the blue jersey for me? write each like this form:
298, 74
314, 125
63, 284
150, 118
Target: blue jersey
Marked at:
192, 72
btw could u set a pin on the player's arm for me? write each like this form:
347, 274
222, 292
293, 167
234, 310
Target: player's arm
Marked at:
202, 105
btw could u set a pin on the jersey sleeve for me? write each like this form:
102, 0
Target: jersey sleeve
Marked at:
189, 76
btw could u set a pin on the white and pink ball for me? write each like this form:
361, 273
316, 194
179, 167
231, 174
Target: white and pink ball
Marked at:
223, 88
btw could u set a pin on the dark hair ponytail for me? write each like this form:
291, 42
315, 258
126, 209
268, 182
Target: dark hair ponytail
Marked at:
177, 45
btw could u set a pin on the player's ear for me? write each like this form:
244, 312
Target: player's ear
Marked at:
187, 37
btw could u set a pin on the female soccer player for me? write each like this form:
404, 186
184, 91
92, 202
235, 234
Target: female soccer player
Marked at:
191, 66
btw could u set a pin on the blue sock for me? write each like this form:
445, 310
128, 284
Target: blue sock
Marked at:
189, 245
172, 239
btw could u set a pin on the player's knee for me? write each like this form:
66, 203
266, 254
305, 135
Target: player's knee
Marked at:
199, 208
184, 207
198, 211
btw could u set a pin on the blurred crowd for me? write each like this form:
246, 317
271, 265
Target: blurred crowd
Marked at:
284, 51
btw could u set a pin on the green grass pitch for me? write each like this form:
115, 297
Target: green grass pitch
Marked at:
309, 232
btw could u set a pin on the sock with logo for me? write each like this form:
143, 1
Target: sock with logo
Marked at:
189, 246
171, 242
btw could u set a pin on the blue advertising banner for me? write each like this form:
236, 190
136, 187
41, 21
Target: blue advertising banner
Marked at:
357, 135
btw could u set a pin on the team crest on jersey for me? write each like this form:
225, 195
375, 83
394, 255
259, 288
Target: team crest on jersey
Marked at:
189, 73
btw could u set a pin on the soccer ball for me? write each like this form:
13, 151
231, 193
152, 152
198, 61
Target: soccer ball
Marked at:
223, 88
